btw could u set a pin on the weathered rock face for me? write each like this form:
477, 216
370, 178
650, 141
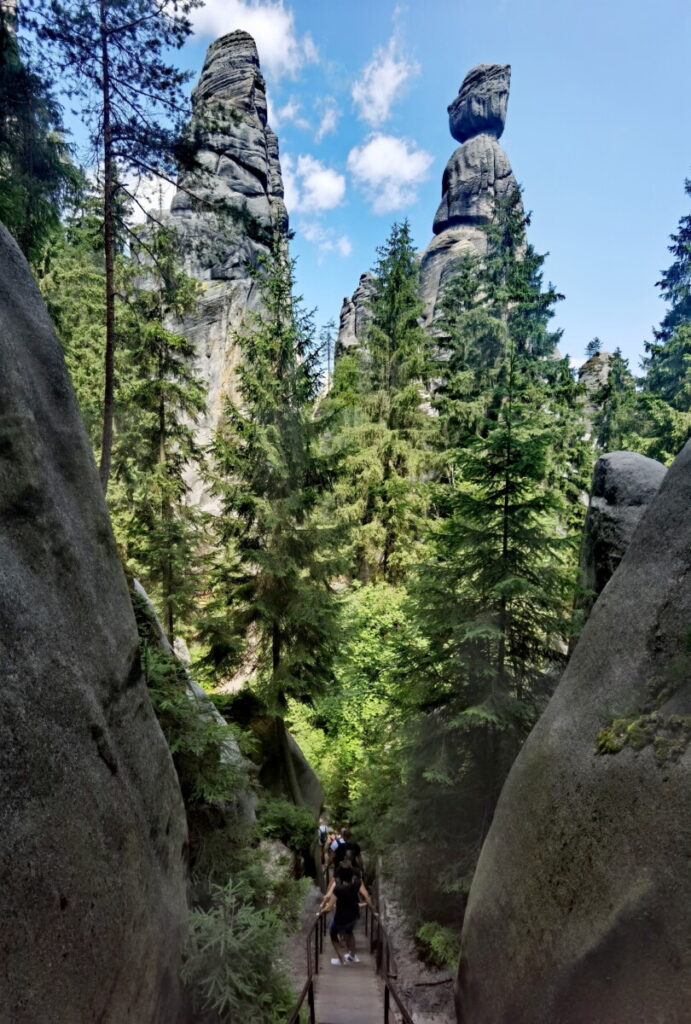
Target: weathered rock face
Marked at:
593, 375
92, 827
275, 746
240, 155
624, 484
244, 802
476, 175
579, 907
481, 102
355, 315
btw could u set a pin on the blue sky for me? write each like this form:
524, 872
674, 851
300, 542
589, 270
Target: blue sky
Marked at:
597, 134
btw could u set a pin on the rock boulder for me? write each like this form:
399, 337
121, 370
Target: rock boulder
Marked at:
481, 102
578, 911
624, 484
92, 828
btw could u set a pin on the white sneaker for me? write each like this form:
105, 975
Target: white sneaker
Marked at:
351, 958
336, 962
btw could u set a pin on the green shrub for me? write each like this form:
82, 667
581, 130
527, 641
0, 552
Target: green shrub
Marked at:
194, 737
439, 946
280, 819
233, 963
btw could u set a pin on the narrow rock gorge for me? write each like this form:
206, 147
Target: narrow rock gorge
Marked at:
93, 833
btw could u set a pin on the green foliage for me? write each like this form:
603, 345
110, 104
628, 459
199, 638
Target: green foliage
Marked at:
617, 405
196, 739
72, 281
233, 960
379, 427
664, 419
281, 819
352, 734
439, 946
271, 573
158, 400
36, 174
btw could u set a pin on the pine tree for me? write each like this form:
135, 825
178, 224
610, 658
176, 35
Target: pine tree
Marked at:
36, 174
666, 386
112, 53
270, 583
493, 596
617, 407
377, 398
159, 399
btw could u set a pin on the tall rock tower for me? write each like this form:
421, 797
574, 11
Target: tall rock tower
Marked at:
477, 174
239, 154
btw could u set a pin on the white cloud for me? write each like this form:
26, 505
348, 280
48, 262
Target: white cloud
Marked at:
153, 194
389, 170
291, 186
325, 238
329, 119
311, 186
282, 52
382, 81
291, 112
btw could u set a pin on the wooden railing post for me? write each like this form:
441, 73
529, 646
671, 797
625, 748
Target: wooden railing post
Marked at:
310, 1003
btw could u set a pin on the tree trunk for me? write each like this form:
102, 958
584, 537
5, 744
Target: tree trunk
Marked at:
109, 192
166, 517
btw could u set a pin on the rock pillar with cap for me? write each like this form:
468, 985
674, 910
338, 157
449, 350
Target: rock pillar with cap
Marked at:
477, 174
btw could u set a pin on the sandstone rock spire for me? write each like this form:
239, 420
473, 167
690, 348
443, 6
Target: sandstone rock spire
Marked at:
477, 173
239, 153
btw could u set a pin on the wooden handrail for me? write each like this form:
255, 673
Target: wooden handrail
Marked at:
314, 946
380, 946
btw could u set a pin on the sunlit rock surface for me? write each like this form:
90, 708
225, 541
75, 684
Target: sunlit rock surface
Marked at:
242, 171
355, 316
92, 828
578, 911
477, 173
624, 484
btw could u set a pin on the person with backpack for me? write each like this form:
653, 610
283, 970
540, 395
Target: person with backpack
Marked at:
323, 837
344, 894
347, 847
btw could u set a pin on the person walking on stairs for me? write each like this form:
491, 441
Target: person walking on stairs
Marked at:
344, 894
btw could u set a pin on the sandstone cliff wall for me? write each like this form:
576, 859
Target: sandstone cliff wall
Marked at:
92, 827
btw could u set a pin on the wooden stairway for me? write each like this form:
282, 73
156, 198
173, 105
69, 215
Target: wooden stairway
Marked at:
353, 994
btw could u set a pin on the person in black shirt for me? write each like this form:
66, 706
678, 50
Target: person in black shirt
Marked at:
347, 847
344, 893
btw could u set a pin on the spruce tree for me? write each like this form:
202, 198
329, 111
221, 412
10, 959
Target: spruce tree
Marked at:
493, 596
617, 407
158, 401
377, 398
668, 359
271, 577
112, 56
72, 280
36, 174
